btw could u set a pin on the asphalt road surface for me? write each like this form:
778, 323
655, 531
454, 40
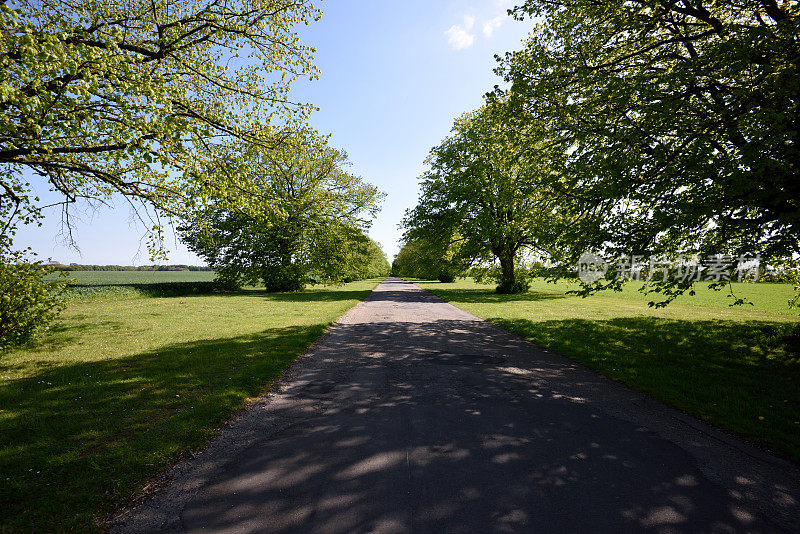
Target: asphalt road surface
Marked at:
411, 415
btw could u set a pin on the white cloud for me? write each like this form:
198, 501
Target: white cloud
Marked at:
459, 36
491, 25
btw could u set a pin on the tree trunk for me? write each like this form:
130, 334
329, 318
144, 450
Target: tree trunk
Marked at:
507, 269
508, 282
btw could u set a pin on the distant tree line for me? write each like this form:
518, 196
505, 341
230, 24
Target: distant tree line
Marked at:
80, 267
429, 259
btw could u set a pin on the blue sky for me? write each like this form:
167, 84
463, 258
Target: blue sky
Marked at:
394, 75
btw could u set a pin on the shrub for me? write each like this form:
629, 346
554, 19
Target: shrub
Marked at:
446, 277
28, 302
487, 275
283, 278
520, 285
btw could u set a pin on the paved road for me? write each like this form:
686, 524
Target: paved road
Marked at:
414, 416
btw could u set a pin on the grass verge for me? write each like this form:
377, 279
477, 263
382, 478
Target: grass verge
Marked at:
737, 368
122, 387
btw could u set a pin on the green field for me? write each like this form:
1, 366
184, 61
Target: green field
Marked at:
122, 387
130, 284
737, 368
113, 278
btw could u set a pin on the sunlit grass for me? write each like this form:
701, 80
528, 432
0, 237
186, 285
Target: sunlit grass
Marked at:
121, 387
736, 367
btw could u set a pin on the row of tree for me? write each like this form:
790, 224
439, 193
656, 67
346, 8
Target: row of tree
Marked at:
428, 258
182, 108
79, 267
644, 127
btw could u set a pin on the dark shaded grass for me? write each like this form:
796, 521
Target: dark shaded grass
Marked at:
187, 289
306, 296
490, 296
156, 289
82, 437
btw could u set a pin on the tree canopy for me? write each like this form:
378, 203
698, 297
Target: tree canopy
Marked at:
305, 223
103, 98
679, 119
491, 193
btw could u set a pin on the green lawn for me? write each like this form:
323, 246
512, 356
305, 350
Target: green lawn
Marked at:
121, 387
737, 368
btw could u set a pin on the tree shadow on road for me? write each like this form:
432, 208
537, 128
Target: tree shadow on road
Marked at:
450, 434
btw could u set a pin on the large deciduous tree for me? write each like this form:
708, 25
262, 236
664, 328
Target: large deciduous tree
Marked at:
103, 98
683, 116
305, 219
492, 192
